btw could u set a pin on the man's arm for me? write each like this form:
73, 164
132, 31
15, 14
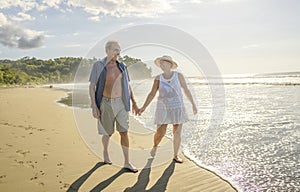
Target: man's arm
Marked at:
92, 90
135, 108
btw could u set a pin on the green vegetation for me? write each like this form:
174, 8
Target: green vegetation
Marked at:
136, 68
31, 71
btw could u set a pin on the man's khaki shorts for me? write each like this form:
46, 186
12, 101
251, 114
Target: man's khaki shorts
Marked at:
112, 110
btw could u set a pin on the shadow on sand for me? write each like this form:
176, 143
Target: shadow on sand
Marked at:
143, 179
77, 184
139, 186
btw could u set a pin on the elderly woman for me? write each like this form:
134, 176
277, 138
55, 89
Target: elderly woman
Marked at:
170, 108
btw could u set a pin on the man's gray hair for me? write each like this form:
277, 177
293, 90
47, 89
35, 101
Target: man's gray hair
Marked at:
110, 43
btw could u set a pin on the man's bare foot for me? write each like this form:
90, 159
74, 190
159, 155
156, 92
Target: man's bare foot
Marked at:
130, 167
106, 159
107, 162
177, 159
153, 151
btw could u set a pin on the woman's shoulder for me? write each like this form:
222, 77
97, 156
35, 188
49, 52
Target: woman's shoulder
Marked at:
180, 75
157, 78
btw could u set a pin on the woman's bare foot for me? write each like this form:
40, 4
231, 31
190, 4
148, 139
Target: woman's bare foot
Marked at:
177, 159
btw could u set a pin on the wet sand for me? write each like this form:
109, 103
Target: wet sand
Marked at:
41, 150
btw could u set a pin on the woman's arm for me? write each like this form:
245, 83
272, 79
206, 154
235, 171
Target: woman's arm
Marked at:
187, 92
151, 95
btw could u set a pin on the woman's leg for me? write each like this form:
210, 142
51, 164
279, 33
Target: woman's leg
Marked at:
159, 134
177, 141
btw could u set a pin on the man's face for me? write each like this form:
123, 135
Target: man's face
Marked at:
114, 52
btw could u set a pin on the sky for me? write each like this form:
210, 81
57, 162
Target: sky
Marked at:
242, 36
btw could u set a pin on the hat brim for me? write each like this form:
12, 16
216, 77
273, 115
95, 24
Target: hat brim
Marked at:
159, 59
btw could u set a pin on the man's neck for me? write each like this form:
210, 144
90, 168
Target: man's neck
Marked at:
112, 62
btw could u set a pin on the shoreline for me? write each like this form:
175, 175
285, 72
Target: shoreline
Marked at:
133, 118
40, 146
196, 162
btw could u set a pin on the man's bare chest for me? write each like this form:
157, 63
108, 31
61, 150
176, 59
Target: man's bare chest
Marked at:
113, 73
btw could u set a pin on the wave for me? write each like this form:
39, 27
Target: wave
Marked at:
286, 79
247, 83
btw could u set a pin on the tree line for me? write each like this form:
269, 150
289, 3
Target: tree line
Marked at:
32, 71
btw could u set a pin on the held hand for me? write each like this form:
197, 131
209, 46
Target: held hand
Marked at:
135, 109
96, 112
141, 110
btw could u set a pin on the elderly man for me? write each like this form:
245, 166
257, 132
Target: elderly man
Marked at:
110, 95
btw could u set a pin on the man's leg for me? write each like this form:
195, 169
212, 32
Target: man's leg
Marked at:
106, 126
122, 121
105, 142
159, 134
125, 148
177, 141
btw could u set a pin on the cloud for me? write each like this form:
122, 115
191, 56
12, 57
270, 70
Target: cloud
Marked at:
72, 45
115, 8
123, 8
53, 3
251, 46
23, 5
211, 1
3, 19
94, 18
29, 5
22, 17
15, 37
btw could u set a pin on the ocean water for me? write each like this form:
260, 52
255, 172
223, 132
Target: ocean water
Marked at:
256, 142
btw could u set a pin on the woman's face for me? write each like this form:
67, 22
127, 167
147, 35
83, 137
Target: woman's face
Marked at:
165, 65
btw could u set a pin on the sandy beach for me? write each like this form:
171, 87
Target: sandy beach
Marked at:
42, 150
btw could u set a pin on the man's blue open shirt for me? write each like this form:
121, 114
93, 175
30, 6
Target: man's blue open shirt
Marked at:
98, 76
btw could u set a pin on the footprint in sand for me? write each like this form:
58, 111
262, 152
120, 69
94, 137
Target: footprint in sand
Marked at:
45, 155
2, 177
42, 173
64, 185
30, 164
60, 169
33, 178
19, 162
37, 176
9, 145
28, 127
22, 152
5, 123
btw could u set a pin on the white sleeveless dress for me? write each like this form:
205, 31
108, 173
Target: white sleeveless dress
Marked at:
170, 108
